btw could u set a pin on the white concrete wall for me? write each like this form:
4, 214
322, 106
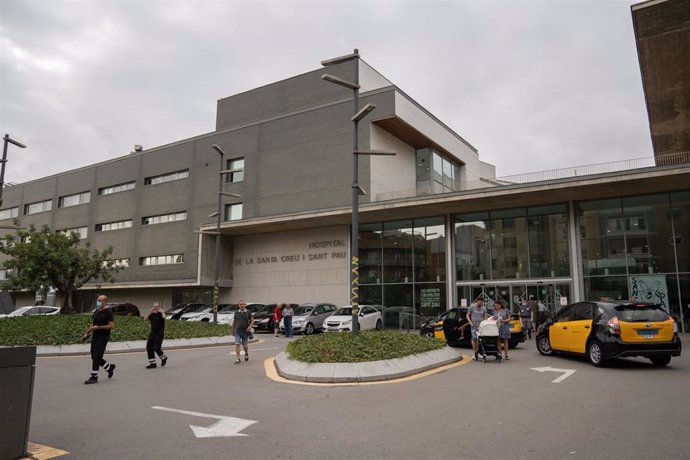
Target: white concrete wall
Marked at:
391, 173
413, 115
297, 266
370, 79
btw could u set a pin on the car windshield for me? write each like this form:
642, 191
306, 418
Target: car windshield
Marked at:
303, 310
20, 311
255, 308
196, 308
641, 313
344, 311
266, 309
229, 309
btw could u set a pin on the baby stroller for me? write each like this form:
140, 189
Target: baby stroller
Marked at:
487, 335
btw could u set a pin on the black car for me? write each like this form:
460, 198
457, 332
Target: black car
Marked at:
448, 326
263, 319
605, 330
181, 308
124, 309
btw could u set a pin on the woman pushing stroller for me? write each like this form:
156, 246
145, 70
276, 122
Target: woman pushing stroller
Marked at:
502, 315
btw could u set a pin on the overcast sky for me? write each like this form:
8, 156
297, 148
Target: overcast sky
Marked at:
532, 85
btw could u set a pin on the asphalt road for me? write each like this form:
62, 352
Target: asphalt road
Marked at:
485, 411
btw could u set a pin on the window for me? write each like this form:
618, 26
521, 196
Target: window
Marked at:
164, 218
235, 163
114, 225
167, 177
121, 263
583, 311
74, 200
9, 213
117, 188
162, 260
83, 232
233, 211
35, 208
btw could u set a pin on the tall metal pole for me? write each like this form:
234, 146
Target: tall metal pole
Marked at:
354, 269
216, 288
7, 140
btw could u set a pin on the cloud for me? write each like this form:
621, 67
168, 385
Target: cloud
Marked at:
533, 85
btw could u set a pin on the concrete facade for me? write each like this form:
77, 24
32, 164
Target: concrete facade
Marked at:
662, 32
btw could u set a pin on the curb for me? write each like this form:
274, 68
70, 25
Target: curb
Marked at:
135, 346
371, 371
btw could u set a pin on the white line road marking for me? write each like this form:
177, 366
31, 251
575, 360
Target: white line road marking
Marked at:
224, 427
566, 372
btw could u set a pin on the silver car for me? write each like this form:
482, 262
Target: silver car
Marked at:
309, 317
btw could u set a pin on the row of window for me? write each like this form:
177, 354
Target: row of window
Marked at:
171, 259
236, 165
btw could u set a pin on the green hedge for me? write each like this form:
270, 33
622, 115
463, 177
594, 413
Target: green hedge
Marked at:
68, 329
367, 346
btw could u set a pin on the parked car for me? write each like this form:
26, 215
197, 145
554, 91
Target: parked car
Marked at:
263, 319
434, 327
446, 327
193, 314
403, 317
341, 319
605, 330
124, 309
309, 317
33, 310
180, 309
226, 312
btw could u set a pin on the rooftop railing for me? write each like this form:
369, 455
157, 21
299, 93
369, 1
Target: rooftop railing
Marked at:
551, 174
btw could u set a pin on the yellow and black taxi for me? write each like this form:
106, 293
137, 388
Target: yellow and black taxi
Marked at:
606, 330
451, 327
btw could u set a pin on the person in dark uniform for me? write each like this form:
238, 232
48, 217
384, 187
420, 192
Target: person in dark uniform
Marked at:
155, 342
101, 325
526, 317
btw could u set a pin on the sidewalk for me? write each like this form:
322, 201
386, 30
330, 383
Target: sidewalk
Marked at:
138, 345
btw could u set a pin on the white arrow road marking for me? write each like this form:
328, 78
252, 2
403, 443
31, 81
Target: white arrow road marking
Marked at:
566, 372
224, 427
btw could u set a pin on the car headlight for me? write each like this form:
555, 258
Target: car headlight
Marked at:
298, 321
347, 321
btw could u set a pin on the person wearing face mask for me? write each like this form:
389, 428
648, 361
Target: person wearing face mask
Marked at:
155, 342
101, 325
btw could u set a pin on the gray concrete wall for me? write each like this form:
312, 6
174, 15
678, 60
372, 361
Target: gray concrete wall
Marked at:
297, 266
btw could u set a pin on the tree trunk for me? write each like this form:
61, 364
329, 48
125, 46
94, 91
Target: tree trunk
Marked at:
66, 301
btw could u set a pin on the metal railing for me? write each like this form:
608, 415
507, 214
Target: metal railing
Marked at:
551, 174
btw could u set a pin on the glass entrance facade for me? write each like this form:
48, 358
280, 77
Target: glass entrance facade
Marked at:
633, 247
553, 295
402, 266
638, 247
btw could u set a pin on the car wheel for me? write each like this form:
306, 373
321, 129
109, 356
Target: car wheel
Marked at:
309, 329
379, 325
544, 345
429, 333
205, 320
595, 353
660, 361
512, 345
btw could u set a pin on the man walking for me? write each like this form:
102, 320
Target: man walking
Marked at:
241, 325
475, 315
155, 342
101, 325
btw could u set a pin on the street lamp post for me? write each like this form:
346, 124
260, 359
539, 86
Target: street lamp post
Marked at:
221, 173
356, 189
7, 140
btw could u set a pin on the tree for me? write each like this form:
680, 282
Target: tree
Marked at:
44, 258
